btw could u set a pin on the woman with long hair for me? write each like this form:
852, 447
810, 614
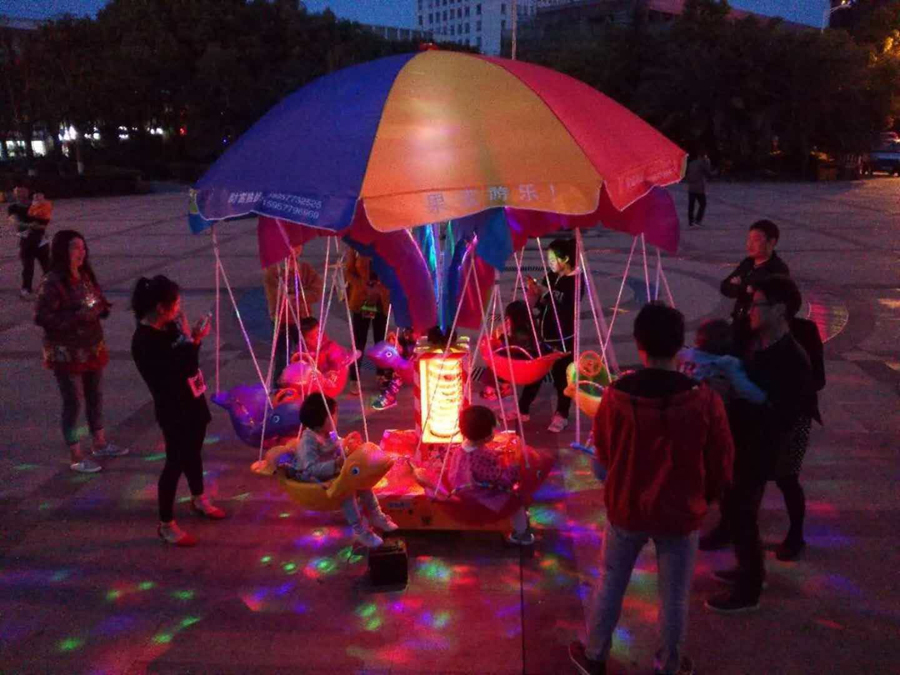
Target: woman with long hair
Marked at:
69, 308
166, 352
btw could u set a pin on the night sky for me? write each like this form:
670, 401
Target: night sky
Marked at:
386, 12
398, 12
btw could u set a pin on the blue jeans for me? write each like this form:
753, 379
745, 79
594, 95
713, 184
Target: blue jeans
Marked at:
675, 561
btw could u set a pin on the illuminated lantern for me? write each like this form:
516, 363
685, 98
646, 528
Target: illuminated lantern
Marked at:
440, 393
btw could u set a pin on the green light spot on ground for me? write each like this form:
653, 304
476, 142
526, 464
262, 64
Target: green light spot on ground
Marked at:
266, 559
60, 575
70, 644
44, 506
241, 497
162, 638
325, 565
290, 567
25, 467
145, 585
373, 624
441, 619
367, 610
183, 595
189, 621
284, 515
155, 458
113, 595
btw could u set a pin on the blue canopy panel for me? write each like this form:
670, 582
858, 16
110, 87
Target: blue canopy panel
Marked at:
276, 174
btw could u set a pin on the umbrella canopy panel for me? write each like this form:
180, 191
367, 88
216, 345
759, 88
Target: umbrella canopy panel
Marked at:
437, 136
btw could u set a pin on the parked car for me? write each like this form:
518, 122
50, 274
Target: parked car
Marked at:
885, 159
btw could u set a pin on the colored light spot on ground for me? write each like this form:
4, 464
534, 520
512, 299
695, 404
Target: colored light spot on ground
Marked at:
286, 514
373, 624
155, 458
189, 621
435, 570
834, 625
44, 506
366, 610
145, 585
265, 560
162, 638
112, 596
241, 497
441, 619
60, 575
290, 567
182, 500
183, 595
70, 644
25, 467
325, 565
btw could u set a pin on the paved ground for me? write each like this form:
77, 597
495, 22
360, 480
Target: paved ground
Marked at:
85, 586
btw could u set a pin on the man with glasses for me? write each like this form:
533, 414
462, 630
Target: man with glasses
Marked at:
762, 432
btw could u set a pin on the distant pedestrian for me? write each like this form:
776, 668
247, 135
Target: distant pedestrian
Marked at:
761, 261
663, 441
763, 433
369, 301
70, 306
30, 217
699, 170
166, 351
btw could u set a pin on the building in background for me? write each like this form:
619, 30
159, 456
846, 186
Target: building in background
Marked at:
13, 33
400, 34
481, 24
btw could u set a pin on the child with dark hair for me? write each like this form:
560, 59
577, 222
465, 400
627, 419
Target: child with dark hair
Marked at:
331, 356
474, 465
710, 361
319, 457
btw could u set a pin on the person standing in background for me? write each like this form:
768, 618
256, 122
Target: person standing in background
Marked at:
369, 300
30, 218
699, 170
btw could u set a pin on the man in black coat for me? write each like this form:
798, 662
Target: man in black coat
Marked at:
761, 262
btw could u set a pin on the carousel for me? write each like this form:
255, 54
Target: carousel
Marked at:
441, 168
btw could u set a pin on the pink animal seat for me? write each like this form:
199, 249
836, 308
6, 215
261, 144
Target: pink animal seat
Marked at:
518, 365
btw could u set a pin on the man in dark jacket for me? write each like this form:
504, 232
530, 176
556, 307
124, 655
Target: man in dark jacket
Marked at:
663, 441
762, 433
761, 262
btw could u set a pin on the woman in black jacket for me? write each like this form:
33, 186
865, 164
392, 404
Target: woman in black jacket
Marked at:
166, 352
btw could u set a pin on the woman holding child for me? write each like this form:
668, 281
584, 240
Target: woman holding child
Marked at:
166, 352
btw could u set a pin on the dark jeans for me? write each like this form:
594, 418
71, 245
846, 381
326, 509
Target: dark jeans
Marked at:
742, 512
33, 248
361, 325
694, 199
184, 443
291, 335
563, 402
93, 399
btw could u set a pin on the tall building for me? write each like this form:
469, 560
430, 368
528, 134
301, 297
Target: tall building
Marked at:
476, 23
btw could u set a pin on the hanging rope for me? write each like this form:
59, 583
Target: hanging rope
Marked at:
212, 231
595, 308
658, 271
646, 272
362, 403
537, 341
552, 298
237, 313
579, 247
512, 374
666, 284
281, 300
615, 313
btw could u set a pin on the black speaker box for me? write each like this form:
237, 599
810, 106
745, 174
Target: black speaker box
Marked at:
389, 565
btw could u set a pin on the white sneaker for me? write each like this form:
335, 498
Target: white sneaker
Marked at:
383, 522
172, 534
557, 424
86, 465
110, 450
367, 538
524, 539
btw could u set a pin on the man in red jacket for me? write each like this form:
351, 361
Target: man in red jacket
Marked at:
663, 440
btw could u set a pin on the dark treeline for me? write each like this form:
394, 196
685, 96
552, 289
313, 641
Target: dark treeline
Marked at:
202, 71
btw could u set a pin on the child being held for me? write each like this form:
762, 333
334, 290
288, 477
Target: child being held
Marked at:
319, 457
474, 464
710, 360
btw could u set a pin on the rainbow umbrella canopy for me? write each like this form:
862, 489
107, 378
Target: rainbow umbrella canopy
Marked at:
437, 136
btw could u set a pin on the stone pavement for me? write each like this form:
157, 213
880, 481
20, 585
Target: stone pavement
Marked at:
85, 586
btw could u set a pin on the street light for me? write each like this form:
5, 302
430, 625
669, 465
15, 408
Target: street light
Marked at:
826, 18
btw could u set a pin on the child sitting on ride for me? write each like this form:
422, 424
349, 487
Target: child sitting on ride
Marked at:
519, 331
475, 465
331, 356
710, 361
319, 457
